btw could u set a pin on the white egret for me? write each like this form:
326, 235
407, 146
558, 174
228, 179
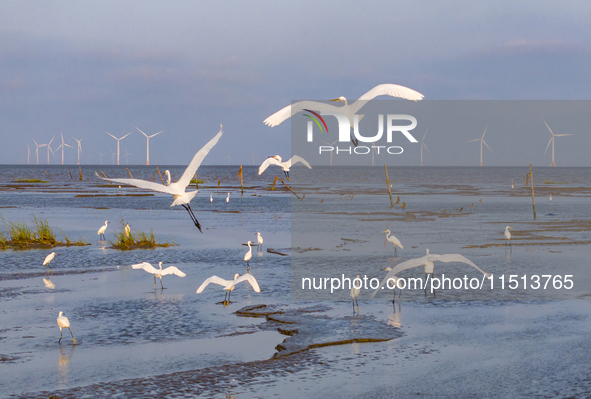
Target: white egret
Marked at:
228, 285
428, 262
63, 322
210, 198
508, 236
101, 231
550, 197
248, 255
285, 166
158, 272
355, 291
394, 280
228, 198
393, 240
48, 259
127, 230
177, 189
349, 110
260, 241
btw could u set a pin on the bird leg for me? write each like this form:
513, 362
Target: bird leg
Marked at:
193, 218
60, 340
154, 281
357, 302
353, 303
395, 248
161, 283
247, 265
73, 339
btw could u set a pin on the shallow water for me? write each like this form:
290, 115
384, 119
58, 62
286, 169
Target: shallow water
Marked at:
127, 329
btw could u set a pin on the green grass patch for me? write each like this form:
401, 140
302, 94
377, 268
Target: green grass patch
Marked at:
199, 181
554, 182
136, 239
30, 181
20, 235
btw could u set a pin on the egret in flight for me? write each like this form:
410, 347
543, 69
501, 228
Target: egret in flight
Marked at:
349, 110
285, 166
428, 263
393, 240
248, 255
229, 285
260, 241
101, 231
177, 189
48, 259
63, 322
158, 272
508, 236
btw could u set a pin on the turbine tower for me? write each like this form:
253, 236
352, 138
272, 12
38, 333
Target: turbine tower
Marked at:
425, 145
552, 141
101, 158
126, 156
48, 148
118, 140
62, 145
331, 151
148, 144
36, 149
79, 147
481, 142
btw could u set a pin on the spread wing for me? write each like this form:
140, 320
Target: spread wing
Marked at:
295, 159
447, 258
196, 162
214, 280
172, 270
250, 278
287, 112
148, 185
386, 89
146, 266
408, 264
268, 162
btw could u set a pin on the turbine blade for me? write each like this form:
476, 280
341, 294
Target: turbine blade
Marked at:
560, 135
551, 132
142, 132
156, 134
425, 145
548, 144
125, 136
484, 131
112, 135
425, 133
487, 145
473, 140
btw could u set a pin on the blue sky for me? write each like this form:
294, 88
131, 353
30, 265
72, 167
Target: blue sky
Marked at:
84, 68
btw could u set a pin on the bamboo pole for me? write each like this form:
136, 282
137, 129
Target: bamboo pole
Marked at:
160, 174
46, 173
241, 182
288, 188
71, 177
196, 184
80, 171
219, 182
389, 188
129, 173
104, 174
533, 198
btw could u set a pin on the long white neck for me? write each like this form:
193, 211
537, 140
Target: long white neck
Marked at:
160, 265
168, 178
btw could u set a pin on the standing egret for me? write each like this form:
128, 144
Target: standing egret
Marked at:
63, 322
349, 110
127, 230
177, 189
228, 198
285, 166
210, 198
355, 291
248, 255
393, 240
260, 241
101, 231
428, 262
550, 197
508, 236
158, 272
228, 285
48, 259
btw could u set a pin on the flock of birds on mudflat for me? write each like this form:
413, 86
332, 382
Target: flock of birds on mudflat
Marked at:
183, 197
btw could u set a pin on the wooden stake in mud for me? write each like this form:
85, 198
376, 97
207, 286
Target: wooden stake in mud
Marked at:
288, 188
533, 198
241, 182
219, 182
71, 177
160, 174
129, 173
274, 182
389, 188
196, 184
47, 173
104, 174
80, 171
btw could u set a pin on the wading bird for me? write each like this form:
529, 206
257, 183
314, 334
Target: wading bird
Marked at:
355, 293
508, 236
177, 189
63, 322
101, 231
428, 262
158, 272
349, 110
210, 198
393, 240
248, 255
48, 259
394, 280
285, 166
228, 198
127, 230
260, 241
228, 285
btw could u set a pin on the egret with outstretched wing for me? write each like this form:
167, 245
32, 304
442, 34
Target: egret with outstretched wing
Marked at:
158, 272
229, 285
177, 189
285, 166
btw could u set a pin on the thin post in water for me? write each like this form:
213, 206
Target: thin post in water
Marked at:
389, 188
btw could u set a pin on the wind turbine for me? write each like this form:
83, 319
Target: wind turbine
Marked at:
481, 142
100, 158
28, 154
79, 147
48, 148
36, 150
118, 140
112, 157
552, 141
62, 145
148, 144
425, 145
332, 151
126, 156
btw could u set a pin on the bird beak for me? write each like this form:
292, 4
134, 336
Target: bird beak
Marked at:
384, 231
334, 99
511, 228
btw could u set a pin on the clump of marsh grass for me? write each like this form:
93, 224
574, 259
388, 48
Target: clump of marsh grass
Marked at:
29, 181
136, 239
19, 234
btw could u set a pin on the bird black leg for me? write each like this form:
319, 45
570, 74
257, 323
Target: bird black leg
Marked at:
60, 340
161, 283
73, 339
154, 281
193, 218
355, 142
395, 253
353, 303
